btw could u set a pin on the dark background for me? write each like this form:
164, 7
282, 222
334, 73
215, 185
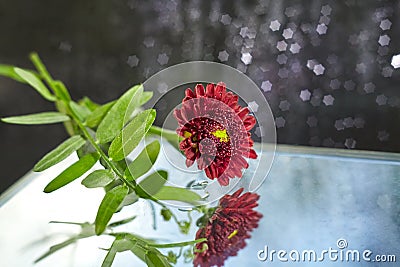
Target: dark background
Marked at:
101, 48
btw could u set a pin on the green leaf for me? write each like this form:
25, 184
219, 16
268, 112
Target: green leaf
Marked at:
124, 244
86, 231
60, 153
128, 200
152, 183
135, 238
70, 126
72, 223
146, 96
178, 194
120, 244
98, 114
60, 90
35, 82
87, 148
155, 259
113, 184
87, 102
8, 71
98, 178
109, 259
122, 222
56, 248
109, 206
73, 172
139, 251
38, 118
131, 135
80, 111
119, 113
58, 87
144, 161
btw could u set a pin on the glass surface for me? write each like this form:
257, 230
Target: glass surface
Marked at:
310, 199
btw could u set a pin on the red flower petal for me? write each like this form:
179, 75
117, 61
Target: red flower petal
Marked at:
212, 115
227, 229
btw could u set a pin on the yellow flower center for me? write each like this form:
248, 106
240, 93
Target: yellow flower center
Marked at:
186, 134
222, 135
233, 234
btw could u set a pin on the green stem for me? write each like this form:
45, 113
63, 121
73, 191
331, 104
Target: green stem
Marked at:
167, 134
64, 98
61, 92
172, 137
42, 70
179, 244
149, 243
101, 152
57, 87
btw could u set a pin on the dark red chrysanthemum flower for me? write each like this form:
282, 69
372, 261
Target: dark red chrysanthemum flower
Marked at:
216, 133
227, 229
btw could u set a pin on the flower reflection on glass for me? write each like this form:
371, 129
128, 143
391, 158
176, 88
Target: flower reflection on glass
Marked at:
226, 228
216, 133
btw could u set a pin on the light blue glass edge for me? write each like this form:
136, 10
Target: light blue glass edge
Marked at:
373, 157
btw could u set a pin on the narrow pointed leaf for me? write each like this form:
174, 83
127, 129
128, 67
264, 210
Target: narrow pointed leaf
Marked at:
128, 200
131, 135
73, 172
155, 259
146, 96
80, 111
38, 118
124, 244
8, 71
56, 248
178, 194
153, 183
35, 82
119, 113
72, 223
120, 244
98, 178
122, 222
109, 206
87, 148
87, 102
86, 231
109, 259
139, 251
98, 114
60, 153
61, 91
112, 252
136, 238
144, 161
